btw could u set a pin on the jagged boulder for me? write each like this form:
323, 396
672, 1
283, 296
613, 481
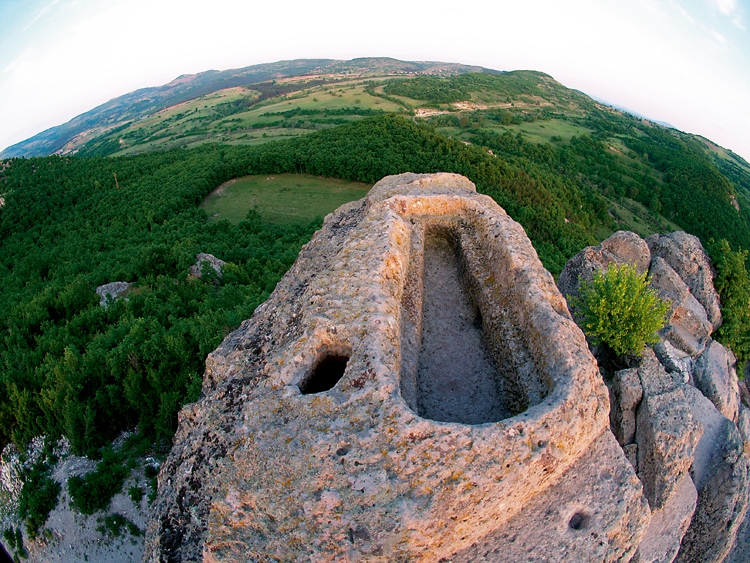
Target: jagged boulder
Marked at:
744, 389
627, 394
668, 526
722, 501
687, 325
686, 255
715, 375
688, 451
666, 434
197, 268
621, 247
743, 425
719, 471
112, 290
674, 360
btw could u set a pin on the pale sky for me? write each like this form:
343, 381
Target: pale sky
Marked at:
686, 62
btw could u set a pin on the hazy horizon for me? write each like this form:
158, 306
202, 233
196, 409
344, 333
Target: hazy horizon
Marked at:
684, 62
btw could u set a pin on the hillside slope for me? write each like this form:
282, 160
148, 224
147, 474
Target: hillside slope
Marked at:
146, 101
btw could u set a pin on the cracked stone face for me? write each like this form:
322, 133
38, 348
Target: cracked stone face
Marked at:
413, 382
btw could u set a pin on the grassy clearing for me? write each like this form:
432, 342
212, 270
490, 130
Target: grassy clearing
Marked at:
535, 132
543, 131
633, 216
282, 199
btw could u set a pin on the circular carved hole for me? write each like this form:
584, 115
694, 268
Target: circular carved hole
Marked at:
579, 521
327, 371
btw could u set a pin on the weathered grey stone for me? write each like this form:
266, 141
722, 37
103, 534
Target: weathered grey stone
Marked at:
674, 360
263, 467
688, 258
216, 264
112, 290
722, 501
621, 247
661, 541
655, 380
666, 439
740, 552
744, 390
743, 425
715, 375
566, 523
626, 395
687, 326
711, 422
631, 452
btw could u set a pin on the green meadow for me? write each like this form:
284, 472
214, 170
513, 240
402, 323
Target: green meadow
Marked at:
281, 198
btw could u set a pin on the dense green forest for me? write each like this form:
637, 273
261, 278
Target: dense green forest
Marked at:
69, 366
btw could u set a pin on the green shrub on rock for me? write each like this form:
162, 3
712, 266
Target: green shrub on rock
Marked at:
94, 491
38, 497
620, 310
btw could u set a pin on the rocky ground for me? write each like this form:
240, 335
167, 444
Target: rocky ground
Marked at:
68, 535
678, 414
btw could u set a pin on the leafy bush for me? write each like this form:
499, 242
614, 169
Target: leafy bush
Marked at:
115, 524
620, 310
38, 496
135, 493
14, 540
94, 491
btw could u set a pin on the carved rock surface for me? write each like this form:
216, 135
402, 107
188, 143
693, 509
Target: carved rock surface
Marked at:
307, 443
716, 376
566, 522
686, 255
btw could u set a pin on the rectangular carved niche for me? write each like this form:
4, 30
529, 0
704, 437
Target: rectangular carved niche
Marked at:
463, 357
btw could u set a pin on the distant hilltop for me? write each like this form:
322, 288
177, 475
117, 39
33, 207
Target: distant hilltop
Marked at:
146, 101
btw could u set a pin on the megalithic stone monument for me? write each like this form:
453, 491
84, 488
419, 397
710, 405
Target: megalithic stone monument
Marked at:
415, 389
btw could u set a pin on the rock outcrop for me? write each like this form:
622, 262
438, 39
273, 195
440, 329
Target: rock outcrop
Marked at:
217, 264
112, 290
686, 255
621, 247
681, 420
342, 423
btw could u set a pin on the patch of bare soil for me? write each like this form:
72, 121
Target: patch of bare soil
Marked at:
222, 187
69, 536
426, 112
